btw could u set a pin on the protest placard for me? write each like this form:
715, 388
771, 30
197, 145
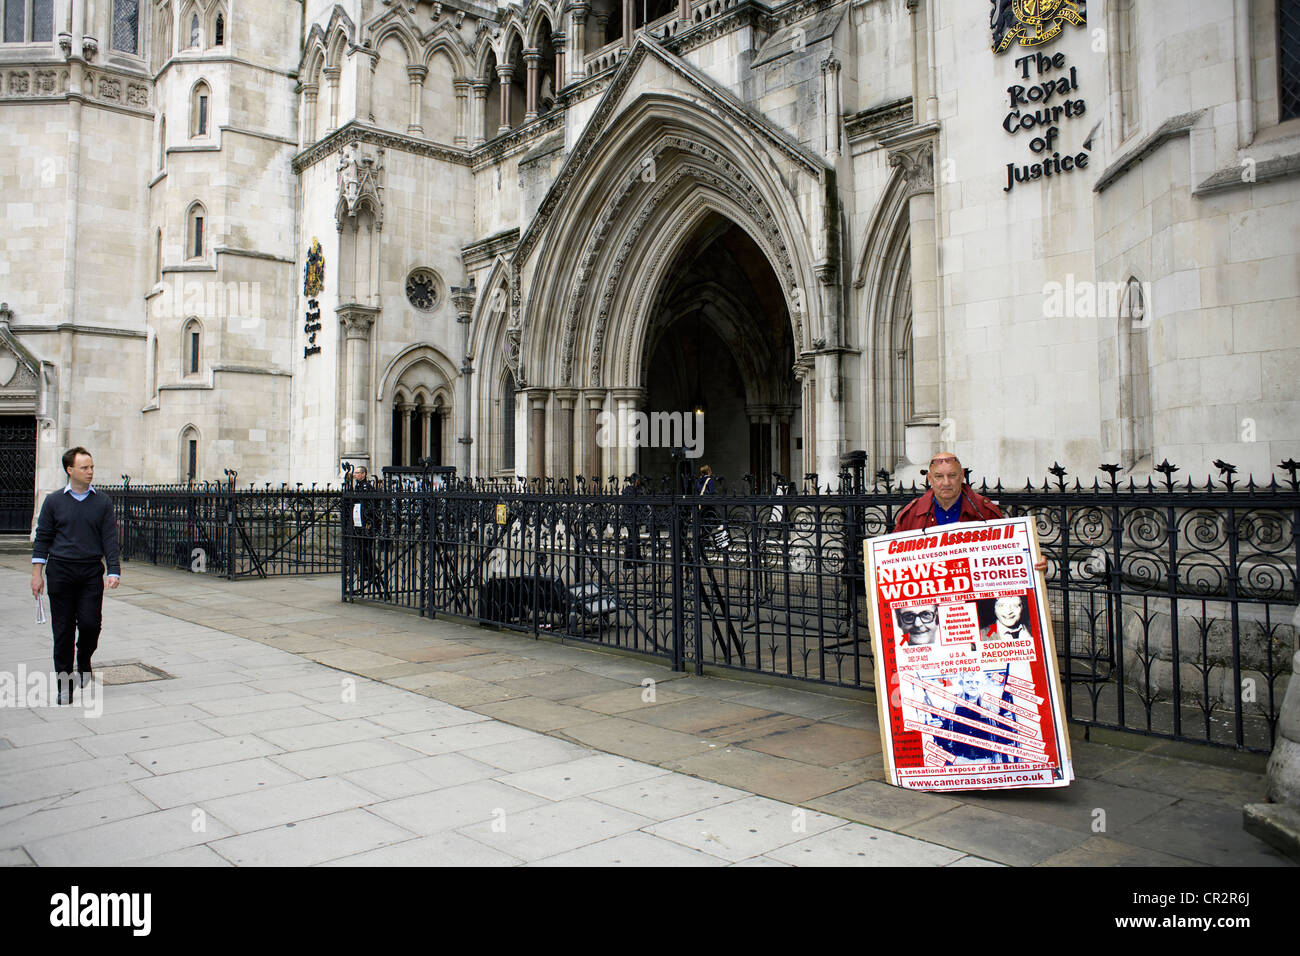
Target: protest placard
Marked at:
966, 673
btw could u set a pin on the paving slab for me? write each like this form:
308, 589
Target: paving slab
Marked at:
189, 787
554, 828
995, 836
310, 842
744, 828
426, 741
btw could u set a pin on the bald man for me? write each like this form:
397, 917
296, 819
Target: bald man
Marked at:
949, 499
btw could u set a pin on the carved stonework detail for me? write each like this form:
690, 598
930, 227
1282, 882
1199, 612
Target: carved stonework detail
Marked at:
357, 322
137, 95
722, 175
917, 164
18, 83
45, 82
360, 184
110, 88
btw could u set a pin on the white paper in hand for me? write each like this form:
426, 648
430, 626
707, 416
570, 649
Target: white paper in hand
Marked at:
40, 610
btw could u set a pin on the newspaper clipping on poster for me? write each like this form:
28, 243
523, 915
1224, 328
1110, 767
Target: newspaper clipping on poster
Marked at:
970, 693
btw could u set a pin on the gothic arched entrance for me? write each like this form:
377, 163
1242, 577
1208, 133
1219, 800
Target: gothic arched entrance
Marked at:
719, 352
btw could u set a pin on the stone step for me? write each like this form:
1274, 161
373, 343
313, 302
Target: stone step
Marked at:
1277, 824
15, 544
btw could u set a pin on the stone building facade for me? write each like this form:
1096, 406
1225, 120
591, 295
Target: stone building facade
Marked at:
1062, 231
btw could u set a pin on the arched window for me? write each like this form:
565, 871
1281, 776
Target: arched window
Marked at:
508, 423
191, 347
194, 237
126, 25
158, 257
219, 30
200, 109
189, 454
162, 143
163, 39
194, 31
1135, 374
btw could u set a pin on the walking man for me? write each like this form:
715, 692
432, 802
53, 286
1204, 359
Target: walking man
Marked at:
75, 533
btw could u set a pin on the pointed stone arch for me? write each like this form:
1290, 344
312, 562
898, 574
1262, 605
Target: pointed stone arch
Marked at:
883, 274
663, 149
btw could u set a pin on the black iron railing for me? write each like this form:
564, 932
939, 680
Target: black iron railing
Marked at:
1173, 603
221, 529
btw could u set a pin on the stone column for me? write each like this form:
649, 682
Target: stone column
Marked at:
808, 424
831, 112
532, 60
627, 454
408, 423
416, 75
559, 40
1284, 763
537, 431
684, 11
629, 22
478, 113
462, 110
595, 457
921, 434
463, 298
563, 443
332, 88
310, 93
366, 83
356, 322
577, 56
830, 437
505, 74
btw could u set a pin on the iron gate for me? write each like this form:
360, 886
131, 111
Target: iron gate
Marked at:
17, 473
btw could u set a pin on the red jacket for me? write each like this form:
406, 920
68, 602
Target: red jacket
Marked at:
919, 515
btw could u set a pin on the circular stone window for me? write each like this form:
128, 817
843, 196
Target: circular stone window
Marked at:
423, 289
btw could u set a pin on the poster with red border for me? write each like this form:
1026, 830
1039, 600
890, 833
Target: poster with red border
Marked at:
966, 673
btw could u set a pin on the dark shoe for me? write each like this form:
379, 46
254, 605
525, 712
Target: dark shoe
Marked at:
65, 682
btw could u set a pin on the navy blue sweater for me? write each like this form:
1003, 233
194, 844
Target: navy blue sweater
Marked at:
72, 530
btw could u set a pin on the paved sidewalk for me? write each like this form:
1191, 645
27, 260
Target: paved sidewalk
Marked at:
300, 730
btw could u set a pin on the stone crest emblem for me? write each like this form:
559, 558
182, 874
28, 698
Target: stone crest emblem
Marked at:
314, 273
1033, 22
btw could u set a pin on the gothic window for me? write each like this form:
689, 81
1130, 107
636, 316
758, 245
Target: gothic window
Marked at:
162, 44
1135, 375
28, 21
126, 25
1288, 58
194, 237
194, 31
158, 273
191, 347
219, 30
162, 143
189, 454
508, 423
200, 109
422, 289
